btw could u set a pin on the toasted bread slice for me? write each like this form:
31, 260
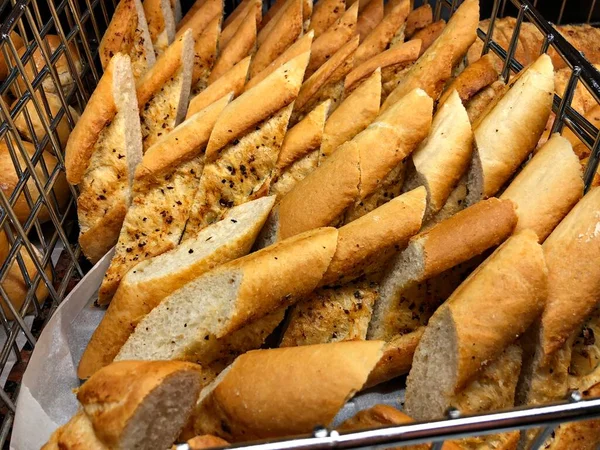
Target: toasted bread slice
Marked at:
163, 91
161, 24
144, 287
418, 19
128, 33
200, 15
101, 155
429, 34
245, 144
189, 323
325, 14
369, 18
164, 186
206, 46
472, 80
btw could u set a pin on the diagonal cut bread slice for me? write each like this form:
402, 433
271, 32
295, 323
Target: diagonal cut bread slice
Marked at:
443, 157
200, 15
369, 18
214, 305
128, 33
449, 243
245, 144
510, 131
101, 156
132, 404
240, 405
161, 24
233, 26
472, 80
470, 331
353, 115
164, 186
163, 91
325, 14
148, 283
418, 19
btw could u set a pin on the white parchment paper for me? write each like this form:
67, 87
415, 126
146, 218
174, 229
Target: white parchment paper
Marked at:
46, 400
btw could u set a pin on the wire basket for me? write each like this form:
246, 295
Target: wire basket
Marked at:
48, 81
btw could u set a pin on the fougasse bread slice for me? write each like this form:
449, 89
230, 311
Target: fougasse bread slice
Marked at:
193, 322
102, 153
148, 283
326, 83
240, 405
332, 40
161, 24
353, 115
200, 15
503, 140
164, 90
232, 81
302, 45
449, 243
434, 67
352, 172
325, 14
299, 153
469, 330
164, 186
241, 45
284, 33
206, 48
245, 144
128, 33
444, 156
547, 188
383, 34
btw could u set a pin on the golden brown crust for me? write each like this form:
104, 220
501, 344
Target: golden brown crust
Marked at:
234, 25
378, 40
257, 104
239, 46
472, 80
366, 243
233, 81
161, 23
205, 54
397, 357
332, 40
369, 17
482, 102
206, 441
100, 110
283, 34
353, 115
400, 55
429, 34
302, 45
325, 14
76, 434
199, 16
418, 18
297, 407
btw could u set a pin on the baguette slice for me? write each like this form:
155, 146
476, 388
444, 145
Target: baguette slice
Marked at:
325, 14
206, 49
165, 182
128, 33
329, 315
510, 131
434, 67
443, 157
369, 18
429, 34
333, 39
449, 243
472, 80
163, 91
232, 81
418, 19
302, 45
326, 83
144, 287
200, 15
222, 301
383, 34
240, 404
161, 24
353, 115
284, 33
483, 101
132, 404
391, 62
245, 10
241, 45
468, 331
547, 188
245, 144
101, 155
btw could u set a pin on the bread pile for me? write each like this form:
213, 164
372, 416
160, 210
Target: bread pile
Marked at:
340, 188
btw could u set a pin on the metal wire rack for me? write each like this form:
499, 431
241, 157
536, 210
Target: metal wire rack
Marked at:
50, 73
